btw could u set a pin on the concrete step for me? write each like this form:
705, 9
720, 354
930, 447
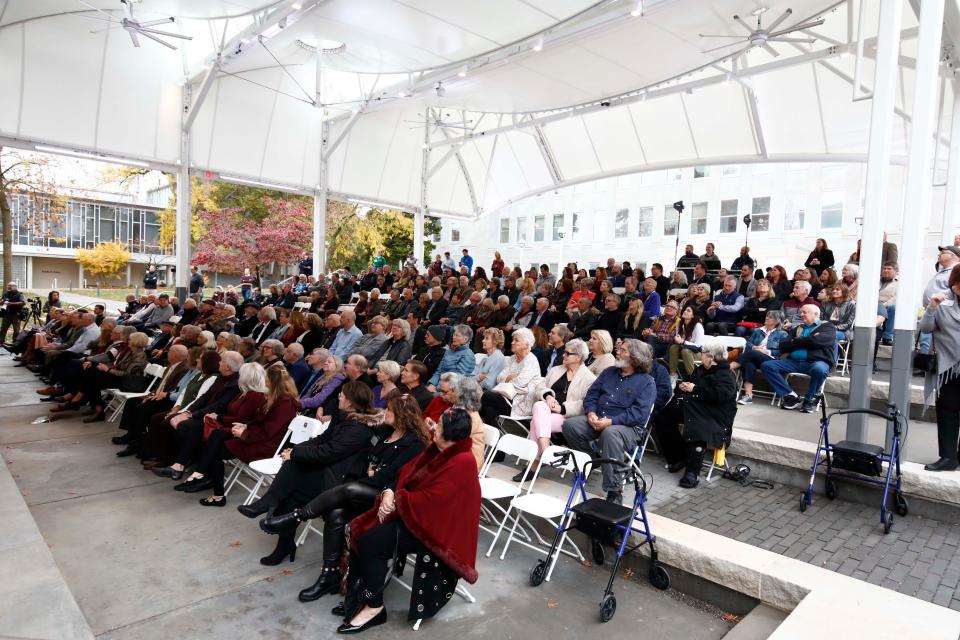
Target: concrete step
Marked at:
759, 624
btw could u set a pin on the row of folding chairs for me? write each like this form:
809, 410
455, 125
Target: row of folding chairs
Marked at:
118, 398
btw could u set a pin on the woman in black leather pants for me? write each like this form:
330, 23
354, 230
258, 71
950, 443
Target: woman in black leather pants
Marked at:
401, 439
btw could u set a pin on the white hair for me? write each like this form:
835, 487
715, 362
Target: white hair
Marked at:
252, 378
525, 336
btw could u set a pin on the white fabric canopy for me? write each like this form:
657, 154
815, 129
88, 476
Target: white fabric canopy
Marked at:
523, 82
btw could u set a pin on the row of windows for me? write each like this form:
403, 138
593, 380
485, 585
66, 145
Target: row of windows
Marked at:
83, 225
626, 225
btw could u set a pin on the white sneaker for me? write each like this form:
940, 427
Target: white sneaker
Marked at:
745, 399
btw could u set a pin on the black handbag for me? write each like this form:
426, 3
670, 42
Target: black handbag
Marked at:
926, 362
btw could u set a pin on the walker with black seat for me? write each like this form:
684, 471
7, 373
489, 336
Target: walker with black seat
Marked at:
861, 461
607, 524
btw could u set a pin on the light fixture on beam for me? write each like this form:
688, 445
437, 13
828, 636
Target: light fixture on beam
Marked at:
463, 72
637, 10
89, 156
538, 45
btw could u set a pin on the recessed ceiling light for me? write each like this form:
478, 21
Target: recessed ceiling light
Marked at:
759, 11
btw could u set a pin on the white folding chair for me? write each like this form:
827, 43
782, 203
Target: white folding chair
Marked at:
645, 438
545, 507
491, 436
118, 399
493, 489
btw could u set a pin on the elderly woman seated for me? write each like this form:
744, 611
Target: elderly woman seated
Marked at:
124, 373
560, 395
336, 456
512, 394
402, 436
388, 375
762, 345
489, 368
415, 517
706, 407
600, 346
255, 439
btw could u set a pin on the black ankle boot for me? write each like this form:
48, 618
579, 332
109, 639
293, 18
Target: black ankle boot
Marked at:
275, 525
328, 582
285, 546
257, 508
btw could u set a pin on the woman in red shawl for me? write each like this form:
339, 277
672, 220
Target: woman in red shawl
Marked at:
419, 517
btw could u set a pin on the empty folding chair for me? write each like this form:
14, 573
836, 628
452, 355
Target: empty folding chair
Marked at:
118, 399
493, 489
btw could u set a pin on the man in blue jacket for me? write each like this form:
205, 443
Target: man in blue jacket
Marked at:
616, 409
810, 349
726, 310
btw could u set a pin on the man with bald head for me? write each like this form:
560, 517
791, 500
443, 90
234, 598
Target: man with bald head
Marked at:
810, 349
138, 411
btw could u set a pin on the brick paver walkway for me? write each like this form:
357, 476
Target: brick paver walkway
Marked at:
919, 557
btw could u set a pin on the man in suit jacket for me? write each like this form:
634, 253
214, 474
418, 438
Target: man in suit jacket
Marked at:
296, 366
438, 307
583, 319
542, 316
268, 324
138, 411
558, 337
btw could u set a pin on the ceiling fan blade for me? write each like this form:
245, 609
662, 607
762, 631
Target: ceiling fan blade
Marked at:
164, 33
156, 39
723, 46
153, 23
87, 4
116, 26
776, 23
796, 27
712, 35
771, 50
743, 24
133, 37
97, 18
793, 40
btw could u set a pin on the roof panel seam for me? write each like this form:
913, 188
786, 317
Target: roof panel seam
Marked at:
266, 137
103, 66
686, 117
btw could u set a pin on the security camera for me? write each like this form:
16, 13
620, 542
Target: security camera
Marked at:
441, 91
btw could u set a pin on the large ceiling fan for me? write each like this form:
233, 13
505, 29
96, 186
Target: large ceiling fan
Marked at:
762, 37
133, 27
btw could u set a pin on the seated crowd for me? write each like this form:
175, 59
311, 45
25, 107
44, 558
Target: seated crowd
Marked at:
405, 379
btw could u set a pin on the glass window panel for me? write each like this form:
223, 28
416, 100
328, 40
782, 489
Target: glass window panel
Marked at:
600, 225
504, 230
151, 238
124, 226
89, 225
698, 218
557, 226
793, 212
136, 232
622, 223
575, 229
107, 224
646, 222
151, 217
701, 172
671, 220
454, 235
760, 214
521, 229
538, 222
831, 210
728, 216
730, 170
57, 230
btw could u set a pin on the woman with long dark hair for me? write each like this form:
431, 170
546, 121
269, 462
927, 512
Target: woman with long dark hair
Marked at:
687, 341
820, 258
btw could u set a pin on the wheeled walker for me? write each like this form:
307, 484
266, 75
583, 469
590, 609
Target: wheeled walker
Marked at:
861, 461
608, 525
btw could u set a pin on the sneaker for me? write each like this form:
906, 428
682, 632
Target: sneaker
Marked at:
791, 401
745, 399
615, 497
807, 407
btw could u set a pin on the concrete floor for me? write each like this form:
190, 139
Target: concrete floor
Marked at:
143, 561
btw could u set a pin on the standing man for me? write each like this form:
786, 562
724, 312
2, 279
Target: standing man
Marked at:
663, 282
196, 284
150, 280
305, 266
467, 261
15, 302
246, 285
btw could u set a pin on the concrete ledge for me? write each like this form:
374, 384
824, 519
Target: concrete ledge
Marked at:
815, 598
36, 602
798, 454
879, 389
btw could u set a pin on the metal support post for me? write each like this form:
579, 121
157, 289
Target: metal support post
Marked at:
917, 212
951, 214
878, 165
320, 199
420, 215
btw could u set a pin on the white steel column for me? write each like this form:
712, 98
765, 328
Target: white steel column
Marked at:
320, 199
184, 218
878, 166
951, 214
421, 213
919, 191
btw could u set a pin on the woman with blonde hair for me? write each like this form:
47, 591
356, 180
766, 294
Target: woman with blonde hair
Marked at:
388, 373
206, 340
601, 355
529, 288
227, 341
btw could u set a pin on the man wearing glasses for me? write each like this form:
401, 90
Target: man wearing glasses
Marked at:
616, 409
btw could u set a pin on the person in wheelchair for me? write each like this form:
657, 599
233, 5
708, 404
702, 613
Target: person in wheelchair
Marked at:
706, 407
415, 517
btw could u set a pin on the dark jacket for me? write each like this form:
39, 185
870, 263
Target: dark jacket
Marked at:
709, 410
217, 398
420, 393
609, 321
260, 333
820, 344
436, 310
341, 449
264, 431
582, 324
826, 261
755, 310
387, 458
431, 357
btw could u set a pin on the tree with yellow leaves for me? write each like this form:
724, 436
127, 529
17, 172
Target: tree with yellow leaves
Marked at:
106, 259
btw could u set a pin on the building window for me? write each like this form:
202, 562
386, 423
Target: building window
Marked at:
557, 226
671, 220
761, 214
831, 210
730, 170
793, 212
646, 222
728, 216
698, 218
538, 222
622, 223
454, 235
701, 172
107, 224
575, 230
504, 230
521, 229
600, 230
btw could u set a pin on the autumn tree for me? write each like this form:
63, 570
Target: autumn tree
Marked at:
106, 259
30, 176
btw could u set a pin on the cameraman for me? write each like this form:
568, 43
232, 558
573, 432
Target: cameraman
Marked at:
15, 302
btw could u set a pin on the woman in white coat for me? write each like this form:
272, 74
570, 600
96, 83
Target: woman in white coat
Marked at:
513, 394
560, 395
